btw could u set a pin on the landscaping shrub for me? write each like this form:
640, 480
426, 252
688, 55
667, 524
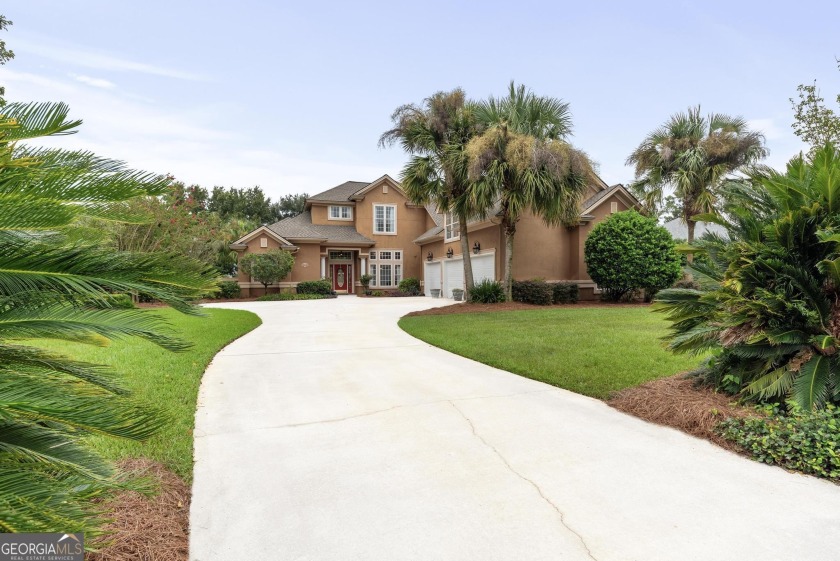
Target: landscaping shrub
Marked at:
565, 292
282, 296
365, 280
410, 286
487, 292
269, 267
533, 292
768, 306
229, 289
687, 282
118, 301
378, 293
323, 286
627, 252
802, 441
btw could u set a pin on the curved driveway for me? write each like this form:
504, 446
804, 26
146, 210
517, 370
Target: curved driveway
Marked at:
329, 434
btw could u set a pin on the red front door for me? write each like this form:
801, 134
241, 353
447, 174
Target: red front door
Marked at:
341, 278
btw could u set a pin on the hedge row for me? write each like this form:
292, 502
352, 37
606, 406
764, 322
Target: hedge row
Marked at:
322, 286
542, 293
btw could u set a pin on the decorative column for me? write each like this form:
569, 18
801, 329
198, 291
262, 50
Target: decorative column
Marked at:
364, 267
323, 266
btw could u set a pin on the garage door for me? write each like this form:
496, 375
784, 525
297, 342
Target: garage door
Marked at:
431, 277
453, 276
484, 267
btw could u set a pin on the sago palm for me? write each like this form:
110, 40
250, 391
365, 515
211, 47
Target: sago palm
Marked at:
54, 288
521, 162
770, 304
692, 155
436, 134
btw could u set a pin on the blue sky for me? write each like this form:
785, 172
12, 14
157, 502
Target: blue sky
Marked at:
293, 96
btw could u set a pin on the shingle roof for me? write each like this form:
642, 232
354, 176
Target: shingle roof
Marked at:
587, 204
593, 200
430, 234
301, 226
340, 192
436, 216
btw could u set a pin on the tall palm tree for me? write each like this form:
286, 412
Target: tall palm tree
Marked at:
55, 287
693, 155
436, 133
521, 162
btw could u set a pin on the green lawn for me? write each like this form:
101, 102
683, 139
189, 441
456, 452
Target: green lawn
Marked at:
592, 351
164, 379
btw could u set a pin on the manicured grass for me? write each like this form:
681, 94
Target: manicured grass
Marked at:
592, 351
166, 380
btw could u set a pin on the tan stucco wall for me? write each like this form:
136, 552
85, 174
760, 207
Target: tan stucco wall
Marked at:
320, 215
489, 237
540, 251
307, 253
411, 223
307, 263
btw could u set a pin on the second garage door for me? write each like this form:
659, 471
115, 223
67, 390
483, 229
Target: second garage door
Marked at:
453, 276
483, 266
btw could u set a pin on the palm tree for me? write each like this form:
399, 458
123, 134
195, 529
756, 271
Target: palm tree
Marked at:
57, 288
693, 155
521, 162
436, 133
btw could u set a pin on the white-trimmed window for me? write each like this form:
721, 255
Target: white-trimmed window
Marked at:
341, 212
451, 227
386, 268
384, 219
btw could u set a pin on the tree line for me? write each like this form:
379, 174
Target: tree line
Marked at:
197, 223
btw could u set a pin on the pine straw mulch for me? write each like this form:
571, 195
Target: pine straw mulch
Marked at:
678, 403
470, 308
147, 528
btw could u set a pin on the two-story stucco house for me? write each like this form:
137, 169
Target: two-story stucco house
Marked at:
373, 228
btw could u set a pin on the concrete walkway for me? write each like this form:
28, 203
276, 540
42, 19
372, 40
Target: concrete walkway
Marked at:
329, 434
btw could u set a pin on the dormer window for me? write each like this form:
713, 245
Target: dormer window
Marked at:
341, 212
451, 227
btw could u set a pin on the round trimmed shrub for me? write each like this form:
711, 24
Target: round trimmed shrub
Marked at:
410, 286
229, 289
627, 252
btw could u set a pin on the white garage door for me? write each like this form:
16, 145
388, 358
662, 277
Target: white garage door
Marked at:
484, 267
431, 277
453, 276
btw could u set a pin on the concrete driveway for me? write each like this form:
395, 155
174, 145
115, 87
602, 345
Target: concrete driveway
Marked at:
329, 434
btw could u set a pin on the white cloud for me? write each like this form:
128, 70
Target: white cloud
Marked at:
76, 56
95, 82
193, 145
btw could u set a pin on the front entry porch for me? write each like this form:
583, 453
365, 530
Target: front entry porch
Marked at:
342, 277
343, 267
